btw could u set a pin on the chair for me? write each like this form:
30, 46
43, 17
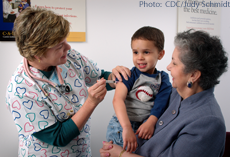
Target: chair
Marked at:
227, 145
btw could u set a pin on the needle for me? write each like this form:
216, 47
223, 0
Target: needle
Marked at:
110, 81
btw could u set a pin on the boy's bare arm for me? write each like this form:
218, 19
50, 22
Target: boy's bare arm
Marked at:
119, 104
152, 119
128, 135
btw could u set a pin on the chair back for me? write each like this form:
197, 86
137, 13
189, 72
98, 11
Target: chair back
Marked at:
227, 145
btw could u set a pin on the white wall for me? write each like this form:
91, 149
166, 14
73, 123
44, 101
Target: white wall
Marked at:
110, 25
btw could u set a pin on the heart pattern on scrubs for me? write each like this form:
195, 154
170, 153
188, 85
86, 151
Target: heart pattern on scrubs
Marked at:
32, 111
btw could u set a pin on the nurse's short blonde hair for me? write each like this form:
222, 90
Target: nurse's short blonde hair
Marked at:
36, 30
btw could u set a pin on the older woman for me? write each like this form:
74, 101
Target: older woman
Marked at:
47, 95
193, 124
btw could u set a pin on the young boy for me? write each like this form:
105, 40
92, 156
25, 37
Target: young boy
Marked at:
140, 101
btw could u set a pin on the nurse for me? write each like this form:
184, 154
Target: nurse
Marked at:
47, 94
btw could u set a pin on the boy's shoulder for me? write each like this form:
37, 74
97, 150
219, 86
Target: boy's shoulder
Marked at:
136, 71
163, 73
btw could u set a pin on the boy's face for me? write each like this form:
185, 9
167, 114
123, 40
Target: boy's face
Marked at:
145, 55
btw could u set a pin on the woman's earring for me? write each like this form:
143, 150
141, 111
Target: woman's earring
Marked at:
189, 84
39, 60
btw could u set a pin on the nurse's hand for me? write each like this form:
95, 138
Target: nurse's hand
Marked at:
97, 92
120, 70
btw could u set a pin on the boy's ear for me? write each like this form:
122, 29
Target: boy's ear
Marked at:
161, 54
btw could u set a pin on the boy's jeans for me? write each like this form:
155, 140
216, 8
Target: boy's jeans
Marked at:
114, 131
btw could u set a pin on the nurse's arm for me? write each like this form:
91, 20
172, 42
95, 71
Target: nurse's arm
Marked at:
96, 93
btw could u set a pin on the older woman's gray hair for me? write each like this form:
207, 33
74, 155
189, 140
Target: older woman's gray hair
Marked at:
200, 51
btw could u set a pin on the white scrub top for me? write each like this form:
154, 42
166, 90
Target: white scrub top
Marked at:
33, 111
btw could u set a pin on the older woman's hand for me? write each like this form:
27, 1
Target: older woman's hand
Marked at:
120, 70
97, 92
110, 150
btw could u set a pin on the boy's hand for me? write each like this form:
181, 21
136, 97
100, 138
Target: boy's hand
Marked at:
145, 131
129, 139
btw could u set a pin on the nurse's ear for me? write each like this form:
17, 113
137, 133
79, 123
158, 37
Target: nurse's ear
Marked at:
37, 59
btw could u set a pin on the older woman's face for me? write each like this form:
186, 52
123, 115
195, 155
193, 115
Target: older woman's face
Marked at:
176, 67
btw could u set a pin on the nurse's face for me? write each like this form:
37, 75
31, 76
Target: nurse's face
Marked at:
56, 55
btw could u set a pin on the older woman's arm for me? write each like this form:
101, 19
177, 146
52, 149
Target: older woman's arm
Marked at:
113, 150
